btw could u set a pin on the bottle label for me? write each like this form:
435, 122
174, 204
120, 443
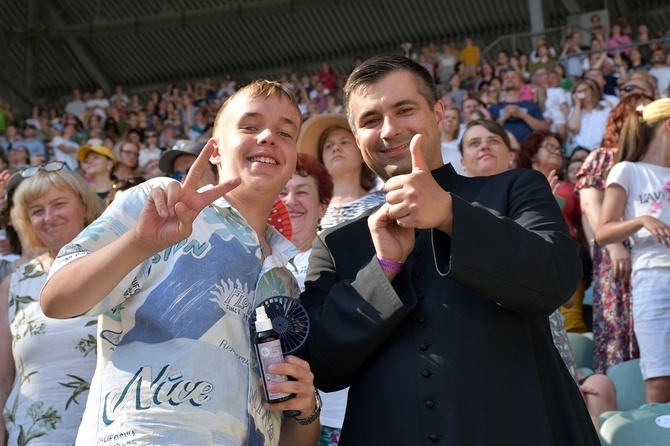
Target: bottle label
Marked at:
271, 353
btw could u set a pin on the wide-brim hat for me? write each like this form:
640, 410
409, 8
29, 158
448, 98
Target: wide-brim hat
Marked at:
314, 128
181, 147
102, 150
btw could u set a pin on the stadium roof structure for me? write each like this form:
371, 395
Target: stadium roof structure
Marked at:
48, 47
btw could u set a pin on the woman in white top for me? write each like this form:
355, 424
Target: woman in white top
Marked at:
637, 206
46, 365
330, 140
451, 136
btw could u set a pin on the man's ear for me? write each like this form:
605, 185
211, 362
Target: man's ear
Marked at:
438, 109
356, 139
215, 158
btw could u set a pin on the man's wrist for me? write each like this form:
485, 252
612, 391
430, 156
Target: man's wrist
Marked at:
315, 415
390, 265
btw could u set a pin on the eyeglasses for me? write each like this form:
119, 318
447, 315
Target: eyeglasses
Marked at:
128, 183
53, 166
553, 148
177, 175
129, 152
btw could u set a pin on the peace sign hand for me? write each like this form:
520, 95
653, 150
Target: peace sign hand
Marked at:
167, 216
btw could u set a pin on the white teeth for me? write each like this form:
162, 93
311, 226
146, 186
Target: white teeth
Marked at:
263, 159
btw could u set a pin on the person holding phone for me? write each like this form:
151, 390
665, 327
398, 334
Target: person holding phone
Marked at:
587, 119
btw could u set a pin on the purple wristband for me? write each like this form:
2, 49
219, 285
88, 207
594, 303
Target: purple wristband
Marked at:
390, 265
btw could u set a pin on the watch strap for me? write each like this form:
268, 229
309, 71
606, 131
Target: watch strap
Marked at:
315, 415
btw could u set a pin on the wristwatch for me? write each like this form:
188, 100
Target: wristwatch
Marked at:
309, 420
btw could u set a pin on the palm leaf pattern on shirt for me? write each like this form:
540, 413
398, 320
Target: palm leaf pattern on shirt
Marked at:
46, 420
79, 386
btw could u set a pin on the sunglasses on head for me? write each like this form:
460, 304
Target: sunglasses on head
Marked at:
128, 183
53, 166
629, 88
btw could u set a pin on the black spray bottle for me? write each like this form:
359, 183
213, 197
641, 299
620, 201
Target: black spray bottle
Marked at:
268, 351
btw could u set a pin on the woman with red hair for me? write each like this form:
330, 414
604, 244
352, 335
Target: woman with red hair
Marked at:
543, 151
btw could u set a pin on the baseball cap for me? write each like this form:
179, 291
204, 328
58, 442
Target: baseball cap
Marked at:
181, 147
102, 150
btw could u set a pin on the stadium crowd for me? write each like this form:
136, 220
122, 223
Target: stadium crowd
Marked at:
563, 109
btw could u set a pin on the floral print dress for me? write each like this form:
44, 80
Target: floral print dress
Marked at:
54, 360
613, 336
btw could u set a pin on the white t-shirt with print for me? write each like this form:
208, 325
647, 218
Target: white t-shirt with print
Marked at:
648, 190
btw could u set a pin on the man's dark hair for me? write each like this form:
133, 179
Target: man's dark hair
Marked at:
377, 67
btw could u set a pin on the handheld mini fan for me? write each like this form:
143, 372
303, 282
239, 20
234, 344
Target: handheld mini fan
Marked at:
289, 320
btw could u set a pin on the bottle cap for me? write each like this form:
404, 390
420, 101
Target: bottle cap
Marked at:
263, 323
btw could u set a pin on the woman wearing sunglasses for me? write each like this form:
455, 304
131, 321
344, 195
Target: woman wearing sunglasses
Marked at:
45, 364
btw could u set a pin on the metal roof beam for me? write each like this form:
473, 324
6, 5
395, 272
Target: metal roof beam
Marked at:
82, 54
572, 6
11, 86
31, 69
536, 11
169, 19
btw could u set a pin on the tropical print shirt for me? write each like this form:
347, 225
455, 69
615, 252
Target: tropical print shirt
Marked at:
54, 360
175, 345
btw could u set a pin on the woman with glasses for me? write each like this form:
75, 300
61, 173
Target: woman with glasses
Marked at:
45, 364
544, 151
587, 118
128, 161
490, 95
